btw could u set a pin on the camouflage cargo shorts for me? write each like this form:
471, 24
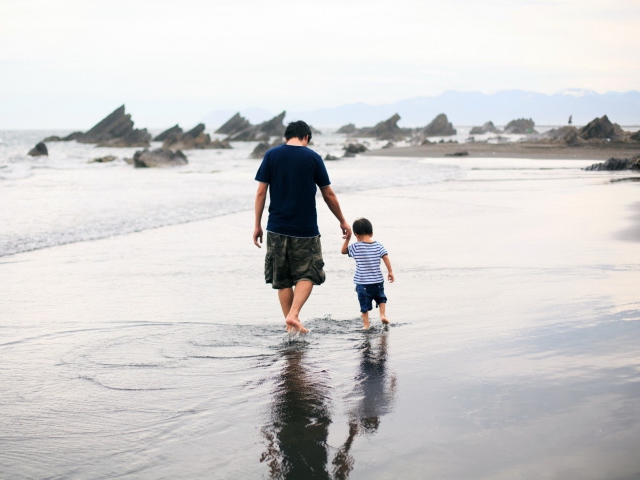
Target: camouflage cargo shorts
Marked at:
291, 259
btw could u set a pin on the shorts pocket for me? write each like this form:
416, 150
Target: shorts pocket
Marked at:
318, 265
268, 268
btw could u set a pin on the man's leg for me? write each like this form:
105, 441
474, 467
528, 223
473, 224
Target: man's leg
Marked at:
301, 293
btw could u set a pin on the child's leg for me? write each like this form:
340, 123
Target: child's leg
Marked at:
365, 320
383, 316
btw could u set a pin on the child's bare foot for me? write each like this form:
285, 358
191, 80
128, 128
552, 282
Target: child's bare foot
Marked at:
294, 325
365, 321
383, 319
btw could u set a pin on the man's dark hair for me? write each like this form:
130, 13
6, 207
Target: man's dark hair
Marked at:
297, 129
362, 226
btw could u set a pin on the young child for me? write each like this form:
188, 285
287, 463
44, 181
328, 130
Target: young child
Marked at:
368, 278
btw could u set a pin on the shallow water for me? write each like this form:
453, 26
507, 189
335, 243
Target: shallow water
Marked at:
162, 354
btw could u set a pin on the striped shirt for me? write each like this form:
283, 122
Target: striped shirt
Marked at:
367, 257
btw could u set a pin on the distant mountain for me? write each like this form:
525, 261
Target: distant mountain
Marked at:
475, 108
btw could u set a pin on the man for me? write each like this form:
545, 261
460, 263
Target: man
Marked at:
293, 264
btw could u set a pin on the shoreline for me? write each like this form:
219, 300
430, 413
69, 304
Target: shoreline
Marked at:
534, 151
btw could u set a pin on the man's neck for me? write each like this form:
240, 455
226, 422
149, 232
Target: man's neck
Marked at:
296, 142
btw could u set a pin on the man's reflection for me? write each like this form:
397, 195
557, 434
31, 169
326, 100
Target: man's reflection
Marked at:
297, 434
376, 389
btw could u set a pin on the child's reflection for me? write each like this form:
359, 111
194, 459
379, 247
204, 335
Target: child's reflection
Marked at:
376, 389
299, 426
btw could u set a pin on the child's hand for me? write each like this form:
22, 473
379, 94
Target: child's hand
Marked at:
391, 277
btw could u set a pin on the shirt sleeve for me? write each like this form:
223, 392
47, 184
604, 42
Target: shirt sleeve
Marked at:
264, 172
321, 176
383, 251
351, 250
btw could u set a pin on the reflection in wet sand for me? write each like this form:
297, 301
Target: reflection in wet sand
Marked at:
376, 388
299, 424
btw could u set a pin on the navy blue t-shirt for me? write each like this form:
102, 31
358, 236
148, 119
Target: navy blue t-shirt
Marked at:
292, 173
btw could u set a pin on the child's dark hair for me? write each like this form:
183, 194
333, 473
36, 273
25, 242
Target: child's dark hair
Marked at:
362, 226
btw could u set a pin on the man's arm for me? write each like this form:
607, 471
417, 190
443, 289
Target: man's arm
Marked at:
387, 263
261, 197
331, 200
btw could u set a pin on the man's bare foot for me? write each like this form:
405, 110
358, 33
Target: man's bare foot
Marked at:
295, 325
383, 319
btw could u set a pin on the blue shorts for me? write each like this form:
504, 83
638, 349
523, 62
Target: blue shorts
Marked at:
369, 292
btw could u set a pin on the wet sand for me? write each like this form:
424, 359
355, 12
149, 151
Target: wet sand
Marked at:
512, 352
514, 150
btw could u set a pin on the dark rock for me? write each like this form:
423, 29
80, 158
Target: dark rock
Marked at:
72, 136
175, 130
636, 136
262, 132
115, 130
562, 135
426, 142
386, 130
439, 127
52, 138
315, 131
488, 127
235, 124
598, 128
262, 148
463, 153
158, 158
330, 157
39, 150
520, 126
389, 145
108, 158
354, 148
614, 164
194, 139
349, 129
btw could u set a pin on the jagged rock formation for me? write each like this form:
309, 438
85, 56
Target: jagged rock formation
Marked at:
158, 158
115, 130
193, 139
39, 150
261, 132
175, 130
439, 127
262, 148
329, 157
488, 127
617, 164
520, 126
599, 128
636, 136
235, 124
386, 130
353, 149
349, 129
566, 134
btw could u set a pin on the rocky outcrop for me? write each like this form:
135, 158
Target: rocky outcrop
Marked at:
617, 164
262, 148
488, 127
598, 128
235, 124
386, 130
158, 158
261, 132
328, 157
115, 130
353, 149
349, 129
462, 153
315, 131
439, 127
520, 126
636, 136
194, 139
563, 135
39, 150
170, 132
71, 136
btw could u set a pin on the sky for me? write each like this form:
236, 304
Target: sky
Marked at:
66, 63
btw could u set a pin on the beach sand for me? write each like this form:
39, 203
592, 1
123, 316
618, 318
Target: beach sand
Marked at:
512, 353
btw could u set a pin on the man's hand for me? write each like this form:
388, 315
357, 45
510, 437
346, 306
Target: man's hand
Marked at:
346, 230
257, 235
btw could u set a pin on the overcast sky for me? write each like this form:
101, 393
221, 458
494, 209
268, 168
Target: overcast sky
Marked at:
62, 62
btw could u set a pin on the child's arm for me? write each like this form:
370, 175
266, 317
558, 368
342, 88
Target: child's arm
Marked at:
345, 245
387, 263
